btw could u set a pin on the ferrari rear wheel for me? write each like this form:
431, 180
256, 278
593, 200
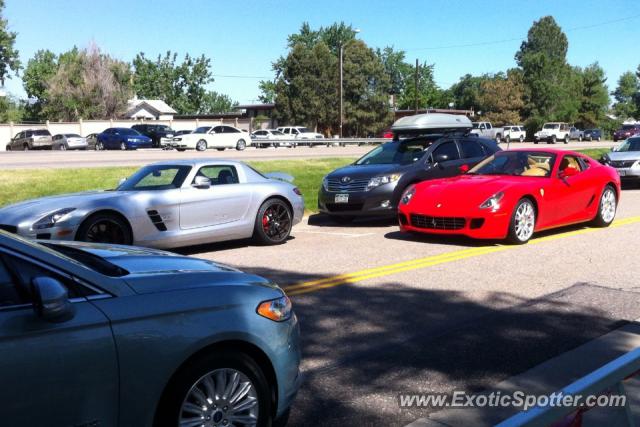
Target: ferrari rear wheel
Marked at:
606, 208
523, 221
273, 222
105, 228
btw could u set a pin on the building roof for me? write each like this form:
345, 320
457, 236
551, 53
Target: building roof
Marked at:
270, 106
157, 106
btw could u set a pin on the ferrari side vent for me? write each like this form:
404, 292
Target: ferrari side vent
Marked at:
156, 219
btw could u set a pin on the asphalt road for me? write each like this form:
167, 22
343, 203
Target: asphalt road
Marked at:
78, 159
383, 313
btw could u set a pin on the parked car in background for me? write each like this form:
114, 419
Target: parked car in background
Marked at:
31, 139
626, 131
219, 137
123, 139
626, 159
501, 197
161, 135
68, 141
299, 132
263, 138
229, 341
552, 132
514, 133
387, 133
575, 133
182, 132
166, 205
436, 146
486, 130
592, 134
92, 142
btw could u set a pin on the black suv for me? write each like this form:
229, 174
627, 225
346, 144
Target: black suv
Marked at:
373, 185
156, 133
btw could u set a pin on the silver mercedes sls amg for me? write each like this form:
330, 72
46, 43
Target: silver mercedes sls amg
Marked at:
167, 205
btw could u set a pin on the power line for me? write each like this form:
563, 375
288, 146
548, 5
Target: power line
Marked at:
583, 27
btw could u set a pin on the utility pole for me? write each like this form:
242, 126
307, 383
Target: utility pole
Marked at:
341, 106
416, 86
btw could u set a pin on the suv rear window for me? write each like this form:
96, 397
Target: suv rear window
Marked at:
41, 132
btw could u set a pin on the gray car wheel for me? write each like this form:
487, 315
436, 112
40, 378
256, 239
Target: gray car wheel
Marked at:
221, 388
62, 147
241, 145
201, 145
105, 228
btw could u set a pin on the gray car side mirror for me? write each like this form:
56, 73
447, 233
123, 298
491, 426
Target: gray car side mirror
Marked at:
51, 300
201, 182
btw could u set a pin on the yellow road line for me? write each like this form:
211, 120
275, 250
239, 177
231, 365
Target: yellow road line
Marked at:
370, 273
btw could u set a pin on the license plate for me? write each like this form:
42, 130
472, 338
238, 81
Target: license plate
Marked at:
621, 172
342, 198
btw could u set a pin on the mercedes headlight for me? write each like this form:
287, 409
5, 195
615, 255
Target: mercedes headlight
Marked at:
52, 219
493, 202
381, 180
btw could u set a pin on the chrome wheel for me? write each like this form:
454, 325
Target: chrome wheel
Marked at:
223, 397
240, 145
608, 205
524, 221
201, 145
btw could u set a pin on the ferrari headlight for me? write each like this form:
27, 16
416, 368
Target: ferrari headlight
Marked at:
51, 219
381, 180
408, 195
278, 309
493, 202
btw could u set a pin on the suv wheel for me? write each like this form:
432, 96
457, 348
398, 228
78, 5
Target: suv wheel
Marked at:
26, 147
553, 139
521, 138
566, 139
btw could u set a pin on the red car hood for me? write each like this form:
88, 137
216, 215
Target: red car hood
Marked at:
465, 191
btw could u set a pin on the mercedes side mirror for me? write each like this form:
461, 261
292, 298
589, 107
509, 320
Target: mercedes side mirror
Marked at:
51, 300
202, 182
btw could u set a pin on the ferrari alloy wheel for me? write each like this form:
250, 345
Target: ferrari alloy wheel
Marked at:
523, 221
606, 208
273, 222
201, 145
105, 228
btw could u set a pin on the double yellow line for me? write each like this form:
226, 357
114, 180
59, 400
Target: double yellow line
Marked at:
371, 273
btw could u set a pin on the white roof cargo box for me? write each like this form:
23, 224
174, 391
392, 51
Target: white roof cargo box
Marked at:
431, 121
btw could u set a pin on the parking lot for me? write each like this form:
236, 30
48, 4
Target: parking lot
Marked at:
66, 159
383, 313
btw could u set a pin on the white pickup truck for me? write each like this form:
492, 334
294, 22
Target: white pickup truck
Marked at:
486, 130
514, 133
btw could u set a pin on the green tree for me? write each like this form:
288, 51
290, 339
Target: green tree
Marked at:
9, 56
466, 92
215, 102
428, 92
182, 86
11, 110
40, 69
501, 98
594, 101
395, 67
626, 95
267, 91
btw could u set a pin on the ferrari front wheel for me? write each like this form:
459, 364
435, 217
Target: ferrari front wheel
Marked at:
523, 221
606, 208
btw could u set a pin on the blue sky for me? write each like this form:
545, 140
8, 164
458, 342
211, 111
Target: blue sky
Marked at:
243, 37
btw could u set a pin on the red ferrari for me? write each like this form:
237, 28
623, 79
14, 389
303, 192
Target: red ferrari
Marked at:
513, 194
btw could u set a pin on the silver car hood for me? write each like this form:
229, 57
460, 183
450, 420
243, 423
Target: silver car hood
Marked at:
624, 155
37, 208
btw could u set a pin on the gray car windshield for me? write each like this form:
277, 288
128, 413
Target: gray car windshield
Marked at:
156, 177
396, 153
631, 144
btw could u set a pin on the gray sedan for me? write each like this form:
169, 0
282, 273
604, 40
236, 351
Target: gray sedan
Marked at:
626, 159
168, 204
69, 141
99, 335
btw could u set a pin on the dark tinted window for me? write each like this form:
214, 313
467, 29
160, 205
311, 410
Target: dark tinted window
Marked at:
471, 149
229, 129
10, 294
402, 153
41, 132
202, 129
448, 149
220, 175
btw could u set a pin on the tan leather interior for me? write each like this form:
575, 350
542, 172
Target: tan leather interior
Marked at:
535, 168
569, 162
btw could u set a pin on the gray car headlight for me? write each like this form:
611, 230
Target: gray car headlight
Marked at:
325, 183
493, 202
381, 180
51, 219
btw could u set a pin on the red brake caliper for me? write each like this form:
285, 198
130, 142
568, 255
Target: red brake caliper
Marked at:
265, 221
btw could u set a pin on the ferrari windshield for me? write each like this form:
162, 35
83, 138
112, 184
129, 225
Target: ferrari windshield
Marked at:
397, 153
156, 177
516, 163
631, 144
